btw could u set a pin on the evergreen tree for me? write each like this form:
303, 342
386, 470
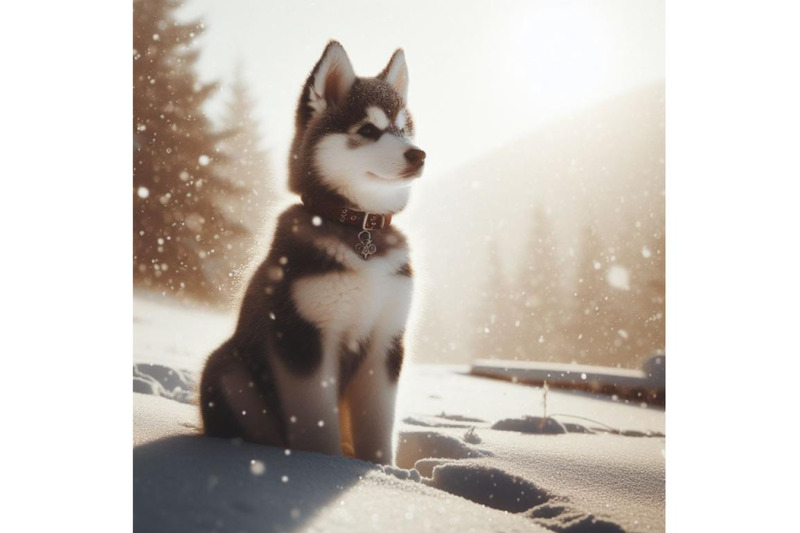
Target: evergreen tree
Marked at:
246, 167
619, 301
641, 310
495, 329
179, 234
588, 329
539, 303
653, 301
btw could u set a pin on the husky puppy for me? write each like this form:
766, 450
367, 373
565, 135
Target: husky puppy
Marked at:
315, 359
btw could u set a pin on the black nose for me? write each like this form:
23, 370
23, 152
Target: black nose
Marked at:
415, 157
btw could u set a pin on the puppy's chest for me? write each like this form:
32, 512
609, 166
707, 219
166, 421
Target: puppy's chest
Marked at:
365, 296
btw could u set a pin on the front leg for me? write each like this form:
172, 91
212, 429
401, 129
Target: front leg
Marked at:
370, 398
309, 404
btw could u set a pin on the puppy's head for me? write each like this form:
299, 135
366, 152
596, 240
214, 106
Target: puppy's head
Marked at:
353, 138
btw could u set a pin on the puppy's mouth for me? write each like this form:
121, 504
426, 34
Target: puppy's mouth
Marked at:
405, 176
411, 174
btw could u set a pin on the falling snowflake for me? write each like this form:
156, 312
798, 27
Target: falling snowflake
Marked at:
257, 468
619, 278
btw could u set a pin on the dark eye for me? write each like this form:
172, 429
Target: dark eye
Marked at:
369, 131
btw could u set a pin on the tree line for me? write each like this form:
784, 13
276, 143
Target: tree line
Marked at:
199, 189
600, 303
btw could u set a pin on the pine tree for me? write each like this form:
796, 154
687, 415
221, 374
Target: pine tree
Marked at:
179, 234
539, 304
641, 250
246, 167
589, 330
494, 330
653, 299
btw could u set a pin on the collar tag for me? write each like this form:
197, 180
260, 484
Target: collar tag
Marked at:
365, 246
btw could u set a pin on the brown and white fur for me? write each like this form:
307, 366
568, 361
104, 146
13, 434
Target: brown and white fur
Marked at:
316, 355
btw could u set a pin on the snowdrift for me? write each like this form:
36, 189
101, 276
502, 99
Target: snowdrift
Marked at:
472, 454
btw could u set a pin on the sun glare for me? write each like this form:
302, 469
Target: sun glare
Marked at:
559, 54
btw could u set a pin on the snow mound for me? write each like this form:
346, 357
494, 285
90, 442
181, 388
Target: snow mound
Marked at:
160, 380
415, 445
565, 519
531, 424
488, 486
537, 425
498, 489
402, 473
647, 385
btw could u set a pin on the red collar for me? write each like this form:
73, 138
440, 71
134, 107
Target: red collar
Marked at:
348, 217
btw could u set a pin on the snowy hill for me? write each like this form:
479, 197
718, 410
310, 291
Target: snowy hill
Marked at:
601, 167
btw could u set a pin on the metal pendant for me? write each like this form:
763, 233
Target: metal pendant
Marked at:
365, 246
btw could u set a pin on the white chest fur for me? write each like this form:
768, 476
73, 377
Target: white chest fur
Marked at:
368, 299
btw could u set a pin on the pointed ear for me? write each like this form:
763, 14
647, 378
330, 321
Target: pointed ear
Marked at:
330, 80
396, 73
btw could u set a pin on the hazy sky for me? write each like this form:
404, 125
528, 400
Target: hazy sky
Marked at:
483, 78
481, 73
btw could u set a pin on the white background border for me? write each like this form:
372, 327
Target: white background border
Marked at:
733, 166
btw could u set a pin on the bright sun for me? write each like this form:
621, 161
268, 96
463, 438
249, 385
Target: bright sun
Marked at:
561, 54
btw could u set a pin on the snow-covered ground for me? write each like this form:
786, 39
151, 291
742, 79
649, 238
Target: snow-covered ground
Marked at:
471, 455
